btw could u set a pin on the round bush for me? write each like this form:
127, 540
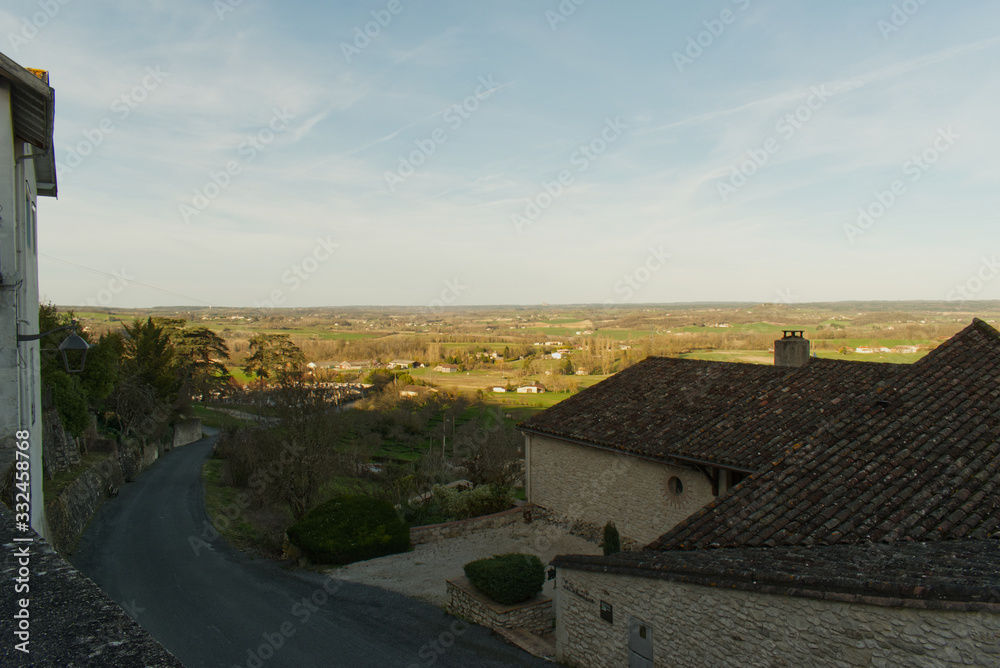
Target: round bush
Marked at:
350, 528
507, 578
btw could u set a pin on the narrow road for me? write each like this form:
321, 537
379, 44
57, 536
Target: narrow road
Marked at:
219, 608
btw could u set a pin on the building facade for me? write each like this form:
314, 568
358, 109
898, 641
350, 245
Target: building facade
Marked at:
27, 171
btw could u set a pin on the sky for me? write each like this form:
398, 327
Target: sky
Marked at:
260, 154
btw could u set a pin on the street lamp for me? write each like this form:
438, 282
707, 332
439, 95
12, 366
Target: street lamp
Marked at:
73, 348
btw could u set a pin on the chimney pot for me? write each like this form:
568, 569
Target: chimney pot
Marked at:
792, 349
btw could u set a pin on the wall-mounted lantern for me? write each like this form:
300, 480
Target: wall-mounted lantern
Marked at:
73, 348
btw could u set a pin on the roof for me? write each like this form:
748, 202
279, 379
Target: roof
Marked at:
958, 575
730, 415
886, 494
921, 463
33, 115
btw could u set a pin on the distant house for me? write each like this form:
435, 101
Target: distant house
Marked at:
416, 391
864, 350
499, 389
446, 368
557, 355
401, 364
355, 365
905, 349
534, 388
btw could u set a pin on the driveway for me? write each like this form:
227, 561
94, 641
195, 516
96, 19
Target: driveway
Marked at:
211, 605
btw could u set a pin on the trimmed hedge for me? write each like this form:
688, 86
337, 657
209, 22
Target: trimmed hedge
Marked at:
350, 528
462, 504
507, 578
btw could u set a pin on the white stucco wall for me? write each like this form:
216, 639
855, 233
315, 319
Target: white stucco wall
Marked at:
598, 486
20, 383
695, 625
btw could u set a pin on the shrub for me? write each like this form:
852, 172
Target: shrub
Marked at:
466, 503
612, 542
350, 528
507, 578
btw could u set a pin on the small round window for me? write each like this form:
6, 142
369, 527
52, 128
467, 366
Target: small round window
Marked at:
675, 486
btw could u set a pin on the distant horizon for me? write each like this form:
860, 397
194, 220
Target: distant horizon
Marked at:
986, 303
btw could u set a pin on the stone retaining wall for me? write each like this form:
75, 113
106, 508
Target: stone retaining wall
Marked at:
187, 432
695, 625
435, 532
534, 615
69, 514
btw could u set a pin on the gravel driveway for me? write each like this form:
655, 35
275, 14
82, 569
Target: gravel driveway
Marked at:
422, 572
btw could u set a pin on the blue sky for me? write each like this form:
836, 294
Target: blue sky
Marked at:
250, 152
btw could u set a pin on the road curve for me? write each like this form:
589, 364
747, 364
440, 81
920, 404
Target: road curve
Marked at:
217, 607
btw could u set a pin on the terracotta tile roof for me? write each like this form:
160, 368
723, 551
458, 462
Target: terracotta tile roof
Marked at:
957, 575
918, 460
737, 416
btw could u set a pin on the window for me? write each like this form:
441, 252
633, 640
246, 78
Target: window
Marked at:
675, 486
30, 213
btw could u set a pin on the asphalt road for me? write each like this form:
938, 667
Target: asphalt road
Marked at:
214, 606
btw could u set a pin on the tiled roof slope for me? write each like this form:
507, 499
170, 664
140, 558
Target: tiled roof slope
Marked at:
734, 415
924, 465
957, 575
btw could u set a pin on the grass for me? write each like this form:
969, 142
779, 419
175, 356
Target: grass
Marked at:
221, 502
51, 489
217, 419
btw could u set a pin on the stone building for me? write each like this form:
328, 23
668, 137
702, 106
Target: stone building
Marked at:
655, 443
867, 535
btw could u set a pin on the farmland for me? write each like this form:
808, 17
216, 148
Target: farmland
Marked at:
567, 348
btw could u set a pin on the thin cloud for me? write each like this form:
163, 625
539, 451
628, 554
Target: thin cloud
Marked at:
842, 86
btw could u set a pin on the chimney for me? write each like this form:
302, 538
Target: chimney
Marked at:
792, 349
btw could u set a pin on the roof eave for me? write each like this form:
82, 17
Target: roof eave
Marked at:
686, 462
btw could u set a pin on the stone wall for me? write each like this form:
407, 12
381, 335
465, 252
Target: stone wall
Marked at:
187, 432
69, 514
435, 532
534, 615
598, 486
60, 451
694, 625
